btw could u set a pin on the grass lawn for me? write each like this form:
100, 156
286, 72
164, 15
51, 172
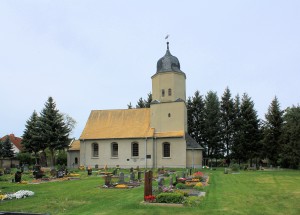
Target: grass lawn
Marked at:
250, 192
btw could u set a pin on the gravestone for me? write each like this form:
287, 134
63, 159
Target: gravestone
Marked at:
96, 166
171, 181
183, 174
121, 178
161, 182
139, 175
115, 172
26, 168
18, 177
89, 171
131, 169
53, 173
107, 180
148, 184
37, 172
7, 171
132, 176
60, 174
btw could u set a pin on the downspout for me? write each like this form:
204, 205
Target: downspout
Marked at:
153, 148
84, 152
193, 159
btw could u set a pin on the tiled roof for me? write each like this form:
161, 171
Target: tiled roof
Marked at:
74, 145
113, 124
191, 142
14, 140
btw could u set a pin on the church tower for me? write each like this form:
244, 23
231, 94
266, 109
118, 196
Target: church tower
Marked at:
168, 108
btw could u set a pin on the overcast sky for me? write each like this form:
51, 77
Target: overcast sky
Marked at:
92, 55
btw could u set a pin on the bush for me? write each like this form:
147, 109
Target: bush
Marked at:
198, 186
184, 193
61, 158
180, 186
192, 201
169, 198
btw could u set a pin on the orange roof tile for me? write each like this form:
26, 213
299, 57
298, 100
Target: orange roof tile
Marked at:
14, 140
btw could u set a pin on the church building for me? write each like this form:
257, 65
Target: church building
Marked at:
152, 137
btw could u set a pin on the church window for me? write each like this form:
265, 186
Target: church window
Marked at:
114, 149
169, 91
163, 93
95, 150
166, 150
169, 115
76, 160
135, 150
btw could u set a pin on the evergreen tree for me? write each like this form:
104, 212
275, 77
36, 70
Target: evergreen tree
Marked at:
129, 106
237, 144
195, 112
250, 128
227, 121
290, 142
211, 131
53, 130
7, 148
144, 103
31, 139
1, 149
140, 103
148, 100
272, 132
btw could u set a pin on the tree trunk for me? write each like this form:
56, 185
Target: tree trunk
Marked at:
52, 158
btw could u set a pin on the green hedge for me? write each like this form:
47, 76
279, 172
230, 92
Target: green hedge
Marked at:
169, 198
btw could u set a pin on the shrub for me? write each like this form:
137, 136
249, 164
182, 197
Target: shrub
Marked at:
180, 186
192, 201
184, 193
169, 198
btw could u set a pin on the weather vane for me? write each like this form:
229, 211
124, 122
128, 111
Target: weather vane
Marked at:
166, 38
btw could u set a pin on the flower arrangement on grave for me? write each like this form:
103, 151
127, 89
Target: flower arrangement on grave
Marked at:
73, 175
198, 175
121, 186
18, 195
181, 180
81, 167
150, 198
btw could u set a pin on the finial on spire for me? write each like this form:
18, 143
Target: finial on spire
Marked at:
166, 38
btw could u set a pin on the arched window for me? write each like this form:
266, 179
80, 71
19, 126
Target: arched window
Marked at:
95, 150
169, 92
166, 150
134, 149
114, 149
76, 160
163, 93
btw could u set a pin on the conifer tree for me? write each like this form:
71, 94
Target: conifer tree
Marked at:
195, 112
140, 103
227, 121
211, 131
7, 148
272, 132
31, 139
250, 129
53, 130
290, 142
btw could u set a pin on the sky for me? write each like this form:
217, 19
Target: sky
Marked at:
96, 55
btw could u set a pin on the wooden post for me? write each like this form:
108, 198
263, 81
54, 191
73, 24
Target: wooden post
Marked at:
148, 184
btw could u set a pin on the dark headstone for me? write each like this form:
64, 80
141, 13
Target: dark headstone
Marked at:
148, 184
131, 169
160, 182
132, 176
60, 174
107, 180
89, 171
18, 177
171, 181
96, 166
139, 175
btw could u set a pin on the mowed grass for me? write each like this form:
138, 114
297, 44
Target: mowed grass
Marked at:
249, 192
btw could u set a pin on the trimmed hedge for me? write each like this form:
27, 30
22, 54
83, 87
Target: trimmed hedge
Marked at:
169, 198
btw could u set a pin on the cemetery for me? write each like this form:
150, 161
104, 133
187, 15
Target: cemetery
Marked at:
152, 191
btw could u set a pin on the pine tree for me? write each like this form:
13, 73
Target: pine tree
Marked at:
272, 132
195, 112
211, 132
7, 148
250, 128
140, 103
227, 121
1, 149
31, 139
129, 106
54, 132
290, 141
237, 144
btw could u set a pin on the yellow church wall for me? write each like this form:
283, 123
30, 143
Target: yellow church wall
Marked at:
124, 158
168, 80
177, 157
194, 158
168, 117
